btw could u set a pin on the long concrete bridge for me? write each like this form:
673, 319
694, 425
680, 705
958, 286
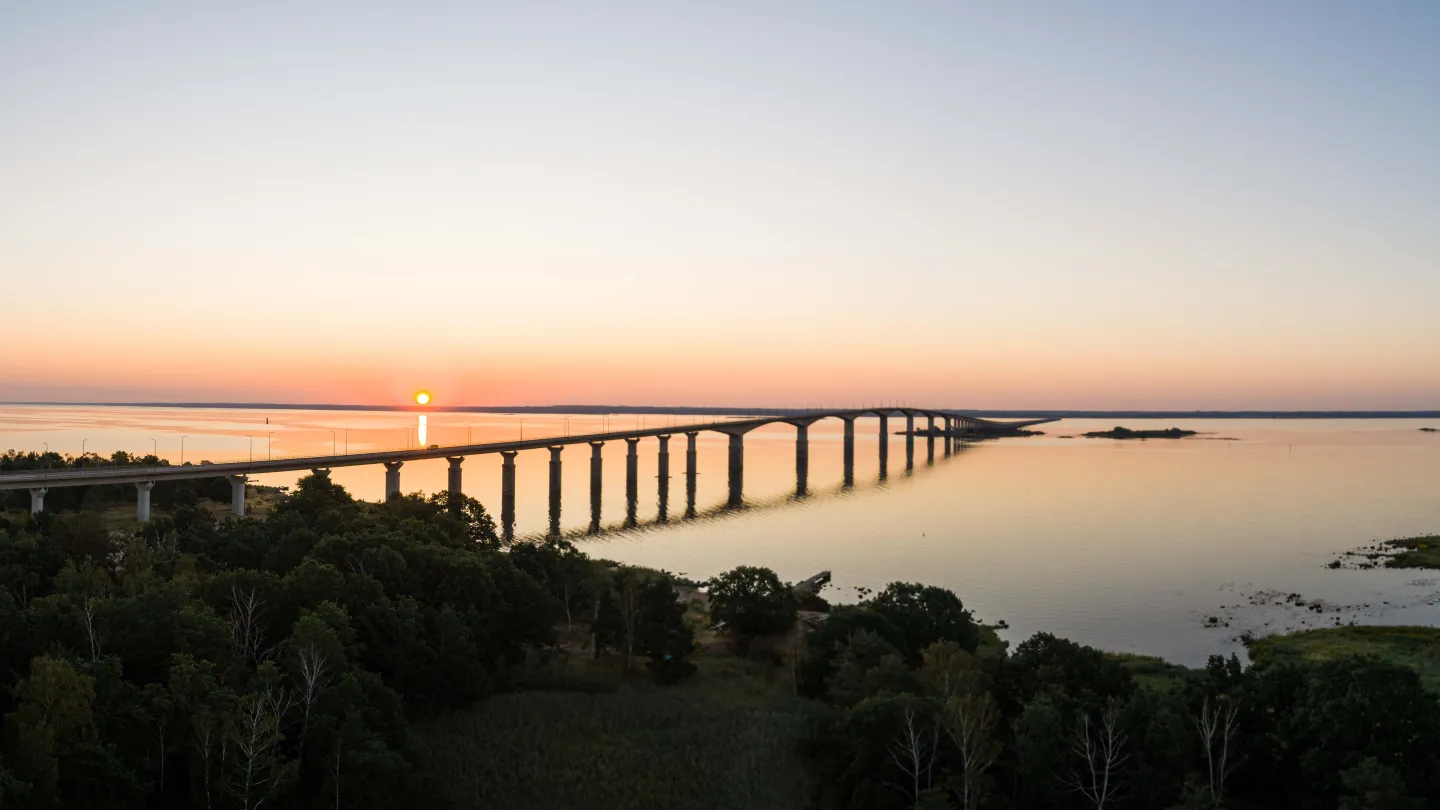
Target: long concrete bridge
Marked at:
952, 428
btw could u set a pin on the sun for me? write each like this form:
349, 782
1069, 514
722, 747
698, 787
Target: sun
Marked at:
422, 398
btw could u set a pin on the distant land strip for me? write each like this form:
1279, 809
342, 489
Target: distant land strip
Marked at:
746, 411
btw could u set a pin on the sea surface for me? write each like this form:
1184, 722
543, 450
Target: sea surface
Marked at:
1167, 547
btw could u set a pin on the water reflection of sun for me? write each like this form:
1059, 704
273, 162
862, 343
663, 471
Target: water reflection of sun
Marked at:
422, 398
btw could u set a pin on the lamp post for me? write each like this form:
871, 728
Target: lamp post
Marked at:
155, 448
347, 441
268, 434
182, 451
252, 447
332, 444
82, 446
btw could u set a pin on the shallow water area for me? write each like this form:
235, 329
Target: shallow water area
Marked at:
1124, 544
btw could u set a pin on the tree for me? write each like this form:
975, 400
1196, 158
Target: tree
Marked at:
54, 715
1218, 725
1372, 785
752, 601
926, 614
969, 718
1100, 748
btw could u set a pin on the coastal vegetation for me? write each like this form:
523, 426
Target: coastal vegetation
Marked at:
345, 654
1126, 433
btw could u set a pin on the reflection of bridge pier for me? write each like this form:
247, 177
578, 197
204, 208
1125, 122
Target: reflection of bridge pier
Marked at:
40, 482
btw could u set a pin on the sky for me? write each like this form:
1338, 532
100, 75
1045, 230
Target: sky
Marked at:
954, 204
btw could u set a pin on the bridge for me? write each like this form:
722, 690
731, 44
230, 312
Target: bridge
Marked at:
953, 428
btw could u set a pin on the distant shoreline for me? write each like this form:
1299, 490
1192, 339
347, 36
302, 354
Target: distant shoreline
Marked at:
742, 411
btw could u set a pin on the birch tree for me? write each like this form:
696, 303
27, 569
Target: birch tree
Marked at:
1101, 750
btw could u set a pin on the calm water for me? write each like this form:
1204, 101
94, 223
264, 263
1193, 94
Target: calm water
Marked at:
1124, 545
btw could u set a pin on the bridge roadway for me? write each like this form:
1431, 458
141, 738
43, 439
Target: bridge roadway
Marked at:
952, 427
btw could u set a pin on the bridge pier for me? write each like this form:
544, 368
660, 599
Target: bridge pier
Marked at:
453, 481
663, 477
690, 472
930, 439
142, 500
37, 500
802, 459
737, 469
849, 450
949, 438
555, 489
596, 478
909, 442
507, 494
632, 479
392, 478
237, 495
884, 445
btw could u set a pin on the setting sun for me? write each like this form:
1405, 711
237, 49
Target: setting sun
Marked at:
422, 398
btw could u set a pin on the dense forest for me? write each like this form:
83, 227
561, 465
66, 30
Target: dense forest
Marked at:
291, 660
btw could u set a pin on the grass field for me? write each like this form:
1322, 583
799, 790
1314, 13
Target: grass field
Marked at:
1415, 552
1417, 647
729, 737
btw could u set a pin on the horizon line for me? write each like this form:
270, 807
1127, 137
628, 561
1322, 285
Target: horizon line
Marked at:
729, 409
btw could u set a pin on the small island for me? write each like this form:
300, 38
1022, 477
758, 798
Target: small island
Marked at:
1430, 430
1127, 433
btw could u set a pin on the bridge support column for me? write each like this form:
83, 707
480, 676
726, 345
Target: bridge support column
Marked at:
930, 440
909, 442
142, 500
949, 435
392, 478
849, 451
454, 478
802, 460
237, 495
555, 490
37, 500
663, 477
632, 479
596, 477
884, 445
690, 472
737, 469
507, 494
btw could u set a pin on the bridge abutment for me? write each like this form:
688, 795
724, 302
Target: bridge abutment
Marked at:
690, 472
37, 500
596, 479
454, 480
507, 494
632, 478
237, 495
884, 445
392, 478
663, 477
555, 489
142, 500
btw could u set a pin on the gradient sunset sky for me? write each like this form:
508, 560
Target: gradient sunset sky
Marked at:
961, 204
